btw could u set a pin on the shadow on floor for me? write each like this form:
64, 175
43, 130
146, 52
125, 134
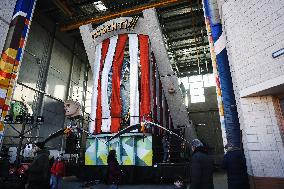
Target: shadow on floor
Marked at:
220, 182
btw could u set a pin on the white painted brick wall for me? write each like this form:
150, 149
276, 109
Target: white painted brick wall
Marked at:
6, 13
261, 136
254, 30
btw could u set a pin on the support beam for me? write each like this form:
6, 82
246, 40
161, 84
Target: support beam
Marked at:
62, 5
167, 76
119, 14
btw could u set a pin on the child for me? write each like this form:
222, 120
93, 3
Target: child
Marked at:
57, 173
178, 183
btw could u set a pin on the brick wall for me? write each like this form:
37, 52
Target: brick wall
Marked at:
254, 30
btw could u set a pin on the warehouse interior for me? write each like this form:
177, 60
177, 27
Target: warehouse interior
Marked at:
55, 67
143, 78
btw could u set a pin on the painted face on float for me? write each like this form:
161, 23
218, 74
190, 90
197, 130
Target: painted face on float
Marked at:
72, 109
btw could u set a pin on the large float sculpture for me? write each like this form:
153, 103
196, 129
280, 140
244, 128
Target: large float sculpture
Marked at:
133, 84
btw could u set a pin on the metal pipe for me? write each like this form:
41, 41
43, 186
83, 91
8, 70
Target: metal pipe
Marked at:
39, 91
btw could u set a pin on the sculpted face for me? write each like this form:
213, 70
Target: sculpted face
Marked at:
72, 109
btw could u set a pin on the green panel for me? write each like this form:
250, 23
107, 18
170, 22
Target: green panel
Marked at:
127, 150
102, 152
144, 151
90, 158
132, 149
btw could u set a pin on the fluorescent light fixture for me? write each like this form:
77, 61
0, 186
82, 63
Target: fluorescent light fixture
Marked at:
99, 5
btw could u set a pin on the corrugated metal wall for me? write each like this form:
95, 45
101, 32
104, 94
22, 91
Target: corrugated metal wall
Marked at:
53, 70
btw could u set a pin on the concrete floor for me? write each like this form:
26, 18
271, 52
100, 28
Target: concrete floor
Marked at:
220, 182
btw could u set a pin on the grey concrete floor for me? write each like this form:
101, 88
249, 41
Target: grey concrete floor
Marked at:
220, 182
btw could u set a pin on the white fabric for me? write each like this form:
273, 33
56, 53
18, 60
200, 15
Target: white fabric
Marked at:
106, 119
96, 71
3, 93
134, 93
20, 13
220, 44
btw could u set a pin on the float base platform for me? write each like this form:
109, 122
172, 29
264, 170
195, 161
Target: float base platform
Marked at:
159, 173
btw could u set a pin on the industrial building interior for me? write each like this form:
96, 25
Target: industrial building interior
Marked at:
55, 55
55, 68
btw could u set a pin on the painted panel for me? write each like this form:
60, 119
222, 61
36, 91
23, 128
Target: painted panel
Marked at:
132, 149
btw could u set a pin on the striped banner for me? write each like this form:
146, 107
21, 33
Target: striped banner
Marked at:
106, 119
98, 119
226, 98
108, 67
116, 105
96, 72
12, 56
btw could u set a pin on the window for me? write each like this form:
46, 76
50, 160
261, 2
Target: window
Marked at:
195, 85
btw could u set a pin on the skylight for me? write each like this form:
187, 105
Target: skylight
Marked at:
99, 5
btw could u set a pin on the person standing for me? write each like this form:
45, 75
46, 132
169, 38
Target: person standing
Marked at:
166, 148
201, 167
57, 173
235, 164
114, 172
38, 172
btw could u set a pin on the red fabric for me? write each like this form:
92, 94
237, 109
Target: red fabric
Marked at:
145, 102
58, 169
98, 126
161, 105
115, 110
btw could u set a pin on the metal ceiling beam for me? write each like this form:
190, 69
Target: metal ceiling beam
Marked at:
191, 61
170, 8
63, 6
130, 11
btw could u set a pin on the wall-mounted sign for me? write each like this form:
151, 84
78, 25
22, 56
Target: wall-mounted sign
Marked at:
278, 53
128, 23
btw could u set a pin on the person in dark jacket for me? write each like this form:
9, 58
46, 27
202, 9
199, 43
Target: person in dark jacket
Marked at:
235, 164
38, 172
114, 173
201, 167
166, 148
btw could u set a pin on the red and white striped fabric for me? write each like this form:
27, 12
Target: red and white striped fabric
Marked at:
96, 70
116, 77
106, 114
106, 119
98, 110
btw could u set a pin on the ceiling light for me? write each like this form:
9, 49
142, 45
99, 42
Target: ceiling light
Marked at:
99, 5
